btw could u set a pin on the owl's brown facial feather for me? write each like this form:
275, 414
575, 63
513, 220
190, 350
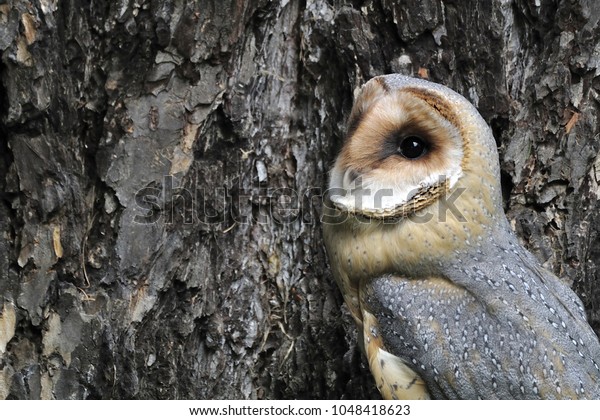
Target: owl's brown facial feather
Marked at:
386, 172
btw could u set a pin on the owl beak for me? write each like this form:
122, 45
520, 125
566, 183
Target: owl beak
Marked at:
350, 177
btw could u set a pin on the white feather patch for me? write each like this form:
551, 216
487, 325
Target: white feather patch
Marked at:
374, 194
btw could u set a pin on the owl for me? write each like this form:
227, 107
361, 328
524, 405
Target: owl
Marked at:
447, 302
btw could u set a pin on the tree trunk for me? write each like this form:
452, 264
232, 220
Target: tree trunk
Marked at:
163, 161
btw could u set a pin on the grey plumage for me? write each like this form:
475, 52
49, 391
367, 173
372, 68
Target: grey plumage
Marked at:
500, 326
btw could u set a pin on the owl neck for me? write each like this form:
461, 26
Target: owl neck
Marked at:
422, 242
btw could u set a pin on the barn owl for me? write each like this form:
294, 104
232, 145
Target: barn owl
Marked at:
447, 302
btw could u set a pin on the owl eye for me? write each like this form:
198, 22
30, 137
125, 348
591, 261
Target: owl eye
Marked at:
412, 147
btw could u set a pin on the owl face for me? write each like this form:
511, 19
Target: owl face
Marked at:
409, 141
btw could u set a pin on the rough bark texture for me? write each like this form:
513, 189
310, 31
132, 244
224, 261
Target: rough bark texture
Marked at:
161, 164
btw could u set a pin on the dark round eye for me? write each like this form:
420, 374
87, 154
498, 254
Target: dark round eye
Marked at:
412, 147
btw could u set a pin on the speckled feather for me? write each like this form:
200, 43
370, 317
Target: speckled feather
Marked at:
494, 325
450, 306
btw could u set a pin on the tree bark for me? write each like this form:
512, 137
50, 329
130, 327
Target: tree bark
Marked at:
163, 161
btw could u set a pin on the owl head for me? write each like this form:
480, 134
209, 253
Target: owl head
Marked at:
410, 142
